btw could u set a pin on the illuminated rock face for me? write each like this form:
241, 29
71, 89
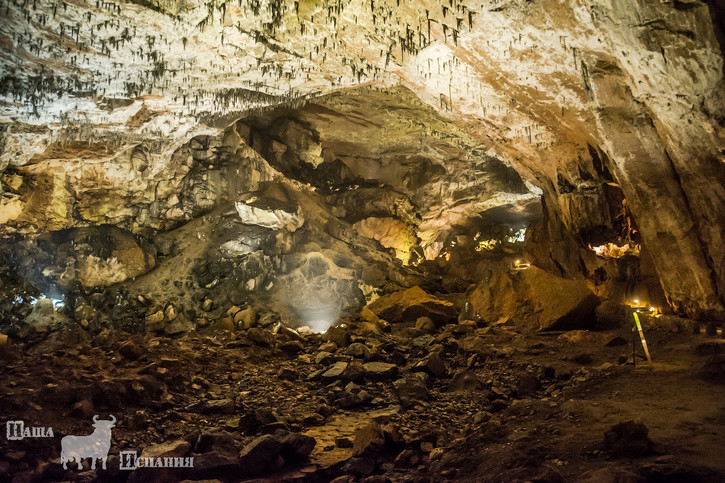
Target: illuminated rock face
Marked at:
112, 111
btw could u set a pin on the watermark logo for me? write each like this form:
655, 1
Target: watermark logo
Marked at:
16, 430
94, 446
130, 461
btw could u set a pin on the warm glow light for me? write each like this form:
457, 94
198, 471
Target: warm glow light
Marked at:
612, 250
486, 245
643, 305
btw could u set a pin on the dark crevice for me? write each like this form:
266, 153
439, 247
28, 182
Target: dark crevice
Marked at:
717, 13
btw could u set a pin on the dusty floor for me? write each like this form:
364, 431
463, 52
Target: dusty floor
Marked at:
196, 387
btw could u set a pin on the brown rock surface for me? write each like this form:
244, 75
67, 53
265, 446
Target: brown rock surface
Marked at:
409, 305
534, 300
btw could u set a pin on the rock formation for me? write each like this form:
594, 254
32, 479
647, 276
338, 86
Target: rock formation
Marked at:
109, 107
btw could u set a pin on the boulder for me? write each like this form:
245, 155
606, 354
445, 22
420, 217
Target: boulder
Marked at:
425, 324
411, 304
465, 381
180, 325
352, 396
359, 350
170, 313
535, 300
380, 371
411, 389
628, 439
335, 371
218, 406
714, 369
44, 313
245, 319
217, 455
296, 447
323, 357
528, 384
373, 440
130, 351
251, 421
155, 321
260, 455
339, 335
611, 315
260, 336
212, 463
367, 315
171, 449
432, 364
344, 371
359, 466
270, 213
287, 374
207, 305
292, 346
225, 324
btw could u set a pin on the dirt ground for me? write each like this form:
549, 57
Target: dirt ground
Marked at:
492, 429
685, 416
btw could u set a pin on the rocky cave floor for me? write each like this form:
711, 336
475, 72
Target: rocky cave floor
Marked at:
410, 402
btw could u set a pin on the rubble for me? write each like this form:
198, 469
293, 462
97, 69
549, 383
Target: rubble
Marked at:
443, 395
411, 416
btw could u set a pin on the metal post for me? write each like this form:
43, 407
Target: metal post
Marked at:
641, 336
634, 347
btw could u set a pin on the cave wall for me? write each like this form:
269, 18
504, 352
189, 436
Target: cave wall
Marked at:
652, 88
540, 84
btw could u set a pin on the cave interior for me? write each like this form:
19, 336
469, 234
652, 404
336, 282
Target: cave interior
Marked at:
362, 241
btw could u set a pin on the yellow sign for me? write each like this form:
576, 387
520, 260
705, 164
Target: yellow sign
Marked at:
641, 337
